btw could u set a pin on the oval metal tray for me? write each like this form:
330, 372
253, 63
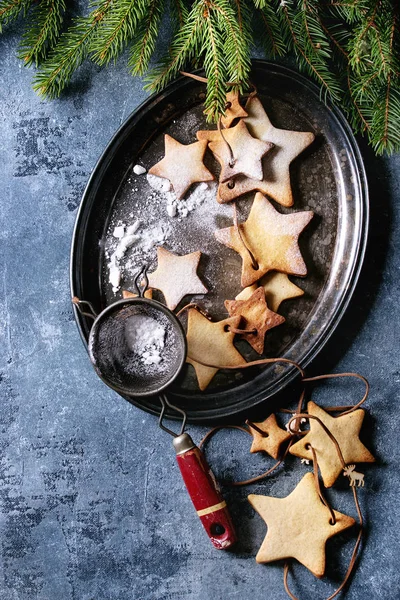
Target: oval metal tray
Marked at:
327, 178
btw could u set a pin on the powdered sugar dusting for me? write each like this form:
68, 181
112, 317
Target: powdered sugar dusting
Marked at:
146, 338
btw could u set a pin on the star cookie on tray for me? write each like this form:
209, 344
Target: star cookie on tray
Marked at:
211, 343
176, 276
234, 110
271, 237
182, 165
276, 164
256, 316
277, 287
247, 151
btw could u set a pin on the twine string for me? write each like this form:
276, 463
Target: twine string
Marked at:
254, 263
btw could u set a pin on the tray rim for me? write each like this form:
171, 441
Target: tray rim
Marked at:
361, 242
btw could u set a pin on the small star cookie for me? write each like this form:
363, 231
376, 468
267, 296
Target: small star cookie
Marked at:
247, 151
127, 294
298, 526
272, 438
272, 238
277, 287
256, 315
211, 343
182, 165
234, 109
176, 276
287, 146
346, 430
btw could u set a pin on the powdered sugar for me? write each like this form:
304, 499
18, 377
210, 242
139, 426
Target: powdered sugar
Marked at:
146, 338
127, 237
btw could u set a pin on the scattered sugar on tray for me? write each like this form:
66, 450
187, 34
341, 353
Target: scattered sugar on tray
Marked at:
146, 338
139, 170
181, 208
128, 236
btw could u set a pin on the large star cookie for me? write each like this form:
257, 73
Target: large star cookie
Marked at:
182, 165
247, 151
287, 146
256, 315
271, 437
298, 526
271, 237
176, 276
234, 109
277, 287
211, 343
345, 429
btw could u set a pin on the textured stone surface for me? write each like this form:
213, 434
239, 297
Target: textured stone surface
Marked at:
92, 506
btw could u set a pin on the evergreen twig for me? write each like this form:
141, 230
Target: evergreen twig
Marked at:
351, 48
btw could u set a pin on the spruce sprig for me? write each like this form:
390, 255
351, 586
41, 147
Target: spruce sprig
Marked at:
145, 38
10, 10
351, 48
43, 31
70, 52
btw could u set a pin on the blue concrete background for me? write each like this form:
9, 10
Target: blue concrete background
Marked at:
92, 506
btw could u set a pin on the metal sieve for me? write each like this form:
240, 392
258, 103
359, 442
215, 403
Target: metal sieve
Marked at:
118, 365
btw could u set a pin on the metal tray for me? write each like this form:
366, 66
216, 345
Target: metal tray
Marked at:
327, 178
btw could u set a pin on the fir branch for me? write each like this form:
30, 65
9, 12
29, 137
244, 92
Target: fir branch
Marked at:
10, 10
214, 64
237, 41
45, 26
69, 53
270, 24
116, 30
309, 43
146, 38
184, 47
179, 12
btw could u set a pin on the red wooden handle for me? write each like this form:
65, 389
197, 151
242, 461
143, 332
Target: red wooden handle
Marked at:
204, 492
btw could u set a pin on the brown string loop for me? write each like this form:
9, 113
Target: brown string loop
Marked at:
237, 228
242, 331
214, 430
346, 409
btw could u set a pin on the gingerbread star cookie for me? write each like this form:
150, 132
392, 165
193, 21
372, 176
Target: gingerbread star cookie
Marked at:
277, 287
234, 109
176, 276
247, 151
127, 294
211, 343
272, 238
268, 436
298, 526
345, 429
256, 315
288, 145
182, 165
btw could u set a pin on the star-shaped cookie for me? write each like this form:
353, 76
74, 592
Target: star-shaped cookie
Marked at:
271, 439
176, 276
247, 151
272, 238
234, 109
345, 429
127, 294
182, 165
256, 315
211, 343
298, 526
287, 146
277, 287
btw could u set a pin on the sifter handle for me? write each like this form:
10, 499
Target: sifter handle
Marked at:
204, 492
